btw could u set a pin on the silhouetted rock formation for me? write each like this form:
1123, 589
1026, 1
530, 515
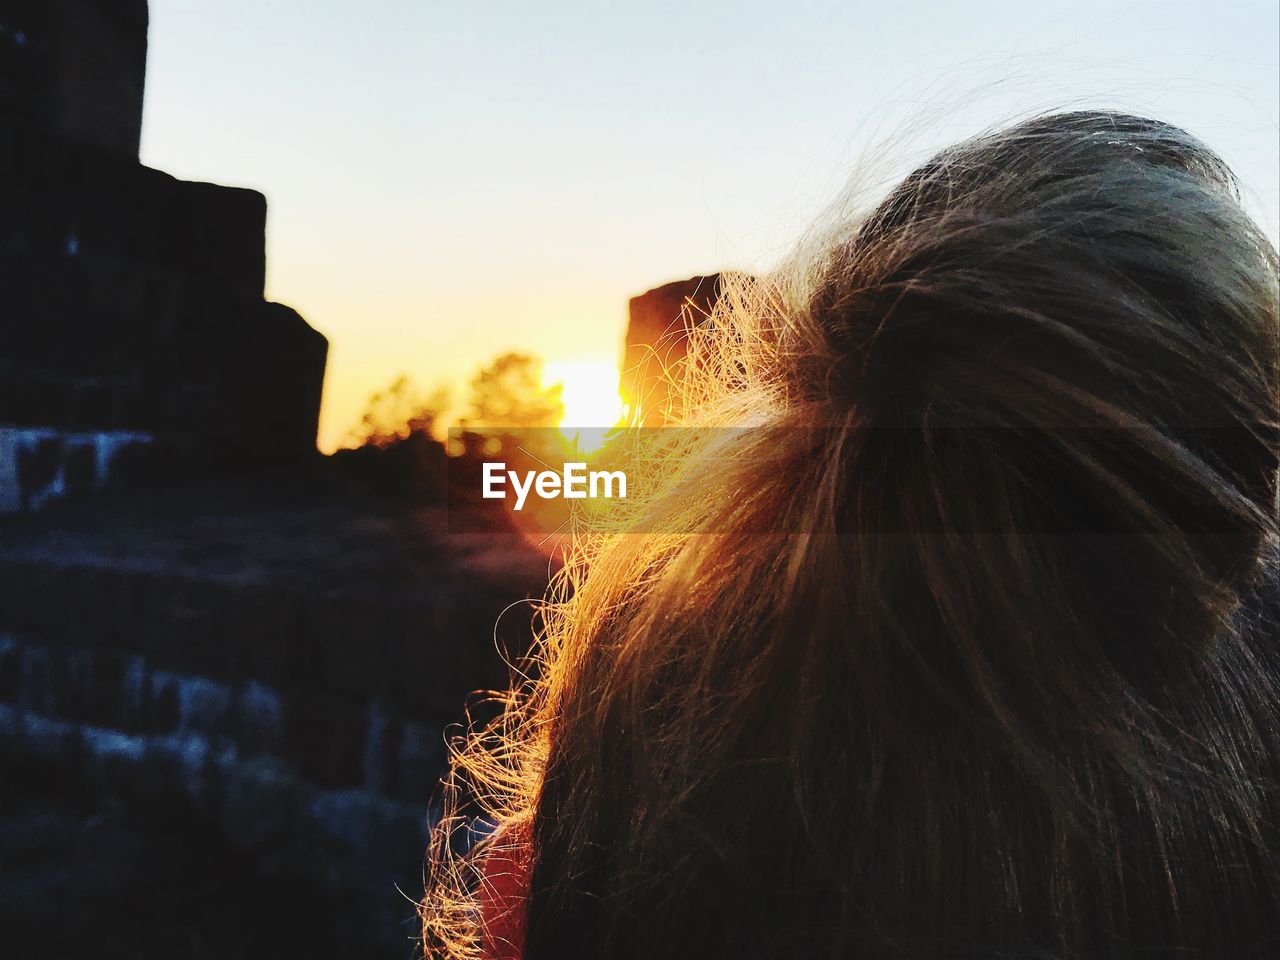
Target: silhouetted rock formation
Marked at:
76, 67
657, 337
223, 703
137, 298
263, 669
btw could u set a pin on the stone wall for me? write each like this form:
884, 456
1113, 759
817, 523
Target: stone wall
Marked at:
289, 685
137, 305
40, 465
76, 66
133, 300
311, 733
658, 326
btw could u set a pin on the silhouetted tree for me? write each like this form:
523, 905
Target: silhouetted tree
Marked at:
509, 394
399, 412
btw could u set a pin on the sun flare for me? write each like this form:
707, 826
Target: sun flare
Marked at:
590, 396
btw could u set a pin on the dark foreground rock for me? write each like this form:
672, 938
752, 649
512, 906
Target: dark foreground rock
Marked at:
223, 713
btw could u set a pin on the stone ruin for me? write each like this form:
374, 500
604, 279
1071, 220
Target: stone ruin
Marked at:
133, 328
220, 670
253, 677
657, 336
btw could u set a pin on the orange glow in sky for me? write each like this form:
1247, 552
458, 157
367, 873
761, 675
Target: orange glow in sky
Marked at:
449, 182
589, 391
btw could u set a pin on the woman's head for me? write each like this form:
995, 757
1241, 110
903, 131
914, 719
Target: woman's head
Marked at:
974, 659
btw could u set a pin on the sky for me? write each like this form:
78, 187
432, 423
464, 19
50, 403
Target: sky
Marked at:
448, 181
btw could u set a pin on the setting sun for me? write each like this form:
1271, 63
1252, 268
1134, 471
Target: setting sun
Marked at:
590, 392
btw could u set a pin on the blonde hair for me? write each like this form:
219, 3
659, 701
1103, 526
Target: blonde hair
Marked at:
980, 666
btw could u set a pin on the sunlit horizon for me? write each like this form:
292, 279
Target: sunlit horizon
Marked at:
447, 183
589, 391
